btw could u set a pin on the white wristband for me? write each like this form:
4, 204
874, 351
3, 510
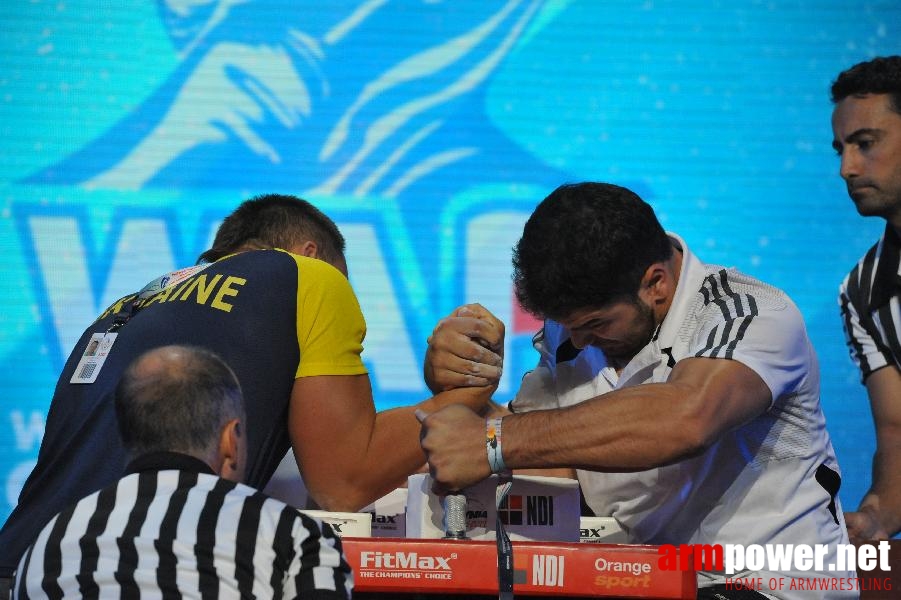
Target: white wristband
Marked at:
493, 444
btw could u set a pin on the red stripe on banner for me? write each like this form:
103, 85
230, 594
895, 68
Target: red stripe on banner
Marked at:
462, 567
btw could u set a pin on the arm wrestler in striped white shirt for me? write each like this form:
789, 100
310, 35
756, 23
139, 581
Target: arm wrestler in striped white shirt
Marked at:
685, 394
179, 523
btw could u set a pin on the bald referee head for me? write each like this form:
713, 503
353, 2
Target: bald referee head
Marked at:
183, 399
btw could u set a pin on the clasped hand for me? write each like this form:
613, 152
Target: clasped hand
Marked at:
453, 439
465, 349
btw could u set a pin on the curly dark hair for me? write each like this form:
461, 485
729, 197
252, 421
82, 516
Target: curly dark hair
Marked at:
276, 221
586, 245
880, 75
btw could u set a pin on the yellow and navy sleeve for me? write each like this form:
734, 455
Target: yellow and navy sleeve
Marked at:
330, 324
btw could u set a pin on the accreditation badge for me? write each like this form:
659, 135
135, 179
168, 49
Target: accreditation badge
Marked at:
94, 356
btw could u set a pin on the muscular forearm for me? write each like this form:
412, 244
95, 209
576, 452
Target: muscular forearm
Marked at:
636, 429
628, 429
641, 427
389, 455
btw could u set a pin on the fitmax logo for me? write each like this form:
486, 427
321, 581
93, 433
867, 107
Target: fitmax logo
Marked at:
384, 519
405, 560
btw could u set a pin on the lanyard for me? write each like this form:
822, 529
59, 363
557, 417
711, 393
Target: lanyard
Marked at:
163, 282
504, 547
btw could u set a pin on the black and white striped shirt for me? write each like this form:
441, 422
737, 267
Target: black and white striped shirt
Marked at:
869, 302
170, 529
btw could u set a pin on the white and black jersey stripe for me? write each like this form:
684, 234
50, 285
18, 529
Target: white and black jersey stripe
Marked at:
738, 310
183, 534
869, 304
777, 468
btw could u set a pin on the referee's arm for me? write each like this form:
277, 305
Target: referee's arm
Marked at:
879, 515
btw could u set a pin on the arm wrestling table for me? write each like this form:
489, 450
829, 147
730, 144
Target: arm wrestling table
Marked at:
385, 567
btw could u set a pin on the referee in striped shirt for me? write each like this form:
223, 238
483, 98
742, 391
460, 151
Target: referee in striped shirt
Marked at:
866, 125
179, 523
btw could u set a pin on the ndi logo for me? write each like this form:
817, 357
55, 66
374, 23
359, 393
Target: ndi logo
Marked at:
529, 510
540, 510
510, 510
547, 570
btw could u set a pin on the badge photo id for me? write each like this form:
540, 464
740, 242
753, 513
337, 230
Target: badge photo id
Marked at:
93, 358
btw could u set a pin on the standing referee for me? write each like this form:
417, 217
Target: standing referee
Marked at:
179, 523
866, 124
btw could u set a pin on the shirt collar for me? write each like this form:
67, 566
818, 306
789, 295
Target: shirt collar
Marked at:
166, 461
691, 277
886, 281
